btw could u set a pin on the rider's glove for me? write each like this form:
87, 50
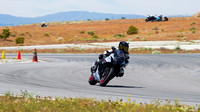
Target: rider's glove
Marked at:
107, 53
100, 56
113, 48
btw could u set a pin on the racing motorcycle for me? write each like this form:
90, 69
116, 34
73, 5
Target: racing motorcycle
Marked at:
150, 18
111, 69
155, 18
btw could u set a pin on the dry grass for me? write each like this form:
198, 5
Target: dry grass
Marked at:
174, 29
26, 102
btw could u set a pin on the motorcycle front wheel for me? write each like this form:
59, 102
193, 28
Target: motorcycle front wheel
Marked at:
92, 80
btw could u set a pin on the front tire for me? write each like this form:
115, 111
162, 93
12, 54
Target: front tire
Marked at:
92, 80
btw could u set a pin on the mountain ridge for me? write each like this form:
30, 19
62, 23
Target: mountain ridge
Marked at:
9, 20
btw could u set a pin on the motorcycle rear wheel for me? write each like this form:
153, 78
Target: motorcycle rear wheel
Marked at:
106, 78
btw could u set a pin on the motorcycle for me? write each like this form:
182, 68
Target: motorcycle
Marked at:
155, 18
113, 64
150, 18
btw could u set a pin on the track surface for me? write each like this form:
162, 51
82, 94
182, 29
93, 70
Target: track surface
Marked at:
147, 77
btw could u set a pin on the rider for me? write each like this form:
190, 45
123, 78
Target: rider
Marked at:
100, 63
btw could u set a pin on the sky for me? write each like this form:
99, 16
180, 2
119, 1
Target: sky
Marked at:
34, 8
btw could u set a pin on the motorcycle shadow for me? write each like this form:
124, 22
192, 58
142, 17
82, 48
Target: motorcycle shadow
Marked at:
121, 86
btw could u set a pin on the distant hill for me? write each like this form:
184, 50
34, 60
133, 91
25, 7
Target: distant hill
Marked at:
8, 20
197, 15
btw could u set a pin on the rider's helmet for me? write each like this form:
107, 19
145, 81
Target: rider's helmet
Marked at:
124, 46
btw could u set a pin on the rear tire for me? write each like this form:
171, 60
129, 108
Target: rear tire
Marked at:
166, 19
104, 80
92, 80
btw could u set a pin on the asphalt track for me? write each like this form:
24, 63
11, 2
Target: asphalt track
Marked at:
147, 77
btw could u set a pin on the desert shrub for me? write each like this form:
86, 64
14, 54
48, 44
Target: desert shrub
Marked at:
193, 28
177, 47
137, 36
91, 32
179, 35
193, 31
1, 36
132, 30
156, 52
184, 38
119, 35
5, 34
156, 32
95, 36
82, 32
46, 34
192, 23
19, 40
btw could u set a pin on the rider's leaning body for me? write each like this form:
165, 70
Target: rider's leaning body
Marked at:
99, 65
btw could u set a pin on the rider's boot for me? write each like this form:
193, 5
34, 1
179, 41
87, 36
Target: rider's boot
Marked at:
96, 75
94, 67
121, 72
96, 63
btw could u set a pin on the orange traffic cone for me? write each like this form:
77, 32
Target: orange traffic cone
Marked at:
35, 56
3, 55
19, 56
